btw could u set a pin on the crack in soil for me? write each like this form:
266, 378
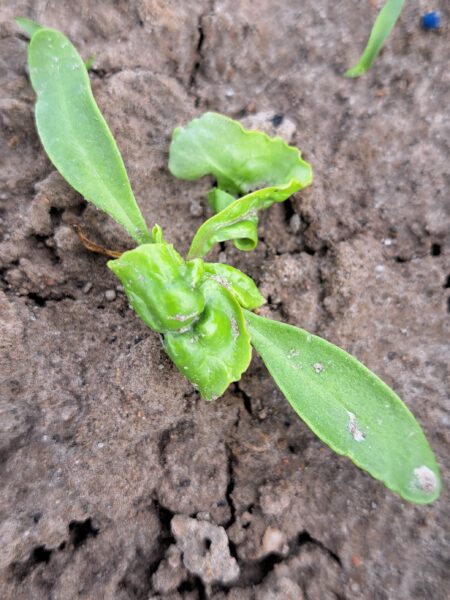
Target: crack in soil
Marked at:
230, 487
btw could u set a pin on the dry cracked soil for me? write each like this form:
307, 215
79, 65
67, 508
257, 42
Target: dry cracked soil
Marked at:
117, 480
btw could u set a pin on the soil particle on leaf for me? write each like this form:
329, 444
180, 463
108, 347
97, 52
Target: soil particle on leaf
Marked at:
425, 479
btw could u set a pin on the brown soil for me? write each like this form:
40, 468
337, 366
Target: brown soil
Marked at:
117, 481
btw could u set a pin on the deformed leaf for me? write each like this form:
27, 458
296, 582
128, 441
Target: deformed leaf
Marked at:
75, 134
384, 23
240, 160
162, 288
240, 285
235, 221
247, 229
216, 350
349, 408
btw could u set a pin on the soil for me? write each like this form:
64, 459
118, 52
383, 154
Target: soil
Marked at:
117, 481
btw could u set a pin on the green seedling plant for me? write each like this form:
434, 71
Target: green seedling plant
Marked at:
381, 30
205, 311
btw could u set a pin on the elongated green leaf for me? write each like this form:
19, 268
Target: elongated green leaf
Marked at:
349, 408
233, 222
240, 285
216, 350
75, 134
30, 27
240, 160
381, 30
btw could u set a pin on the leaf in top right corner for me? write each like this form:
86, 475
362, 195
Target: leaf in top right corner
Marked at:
349, 408
384, 24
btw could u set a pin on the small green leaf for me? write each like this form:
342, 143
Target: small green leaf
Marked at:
349, 408
219, 200
240, 285
75, 134
88, 63
30, 27
161, 287
216, 350
235, 221
240, 160
381, 30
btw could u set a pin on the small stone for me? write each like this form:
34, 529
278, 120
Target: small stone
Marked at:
66, 239
295, 223
87, 287
273, 540
222, 257
205, 550
110, 295
196, 208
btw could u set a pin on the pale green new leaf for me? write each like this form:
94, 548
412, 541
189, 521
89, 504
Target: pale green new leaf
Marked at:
240, 160
348, 407
233, 222
248, 229
30, 27
381, 30
75, 134
240, 285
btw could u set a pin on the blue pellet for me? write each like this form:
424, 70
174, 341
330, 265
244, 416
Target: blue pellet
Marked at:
431, 21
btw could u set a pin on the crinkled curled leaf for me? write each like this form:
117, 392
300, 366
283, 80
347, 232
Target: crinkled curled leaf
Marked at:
216, 350
233, 222
75, 134
247, 229
349, 408
240, 160
384, 23
196, 307
161, 287
240, 285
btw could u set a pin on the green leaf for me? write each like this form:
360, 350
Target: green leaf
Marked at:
216, 350
240, 160
219, 200
30, 27
240, 285
349, 408
75, 134
381, 30
161, 287
233, 222
89, 62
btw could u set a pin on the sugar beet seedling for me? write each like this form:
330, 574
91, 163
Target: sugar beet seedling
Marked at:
204, 311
